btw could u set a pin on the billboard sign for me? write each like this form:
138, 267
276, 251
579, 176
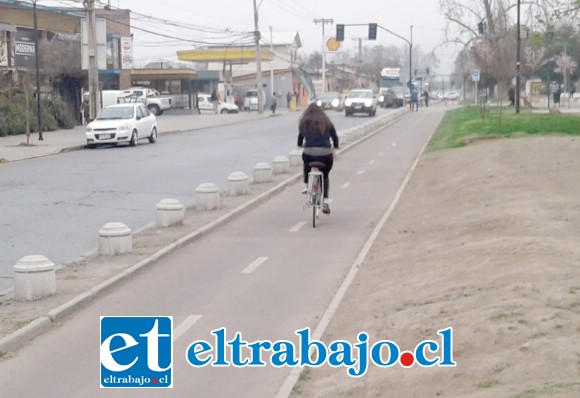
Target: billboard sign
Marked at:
391, 73
24, 49
101, 44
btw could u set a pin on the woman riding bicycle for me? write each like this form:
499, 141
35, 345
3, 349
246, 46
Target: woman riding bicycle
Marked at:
315, 130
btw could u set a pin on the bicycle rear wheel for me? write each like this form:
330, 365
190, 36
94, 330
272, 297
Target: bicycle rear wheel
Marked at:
315, 210
317, 200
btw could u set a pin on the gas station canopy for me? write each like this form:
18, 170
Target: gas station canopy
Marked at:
241, 55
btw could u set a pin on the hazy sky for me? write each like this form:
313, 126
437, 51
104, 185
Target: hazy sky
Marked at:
201, 16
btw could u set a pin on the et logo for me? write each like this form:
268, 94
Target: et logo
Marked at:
136, 352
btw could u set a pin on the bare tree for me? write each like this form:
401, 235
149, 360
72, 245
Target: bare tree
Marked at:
61, 58
315, 61
565, 66
485, 28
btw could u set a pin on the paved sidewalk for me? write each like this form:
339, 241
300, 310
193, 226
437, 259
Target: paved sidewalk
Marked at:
16, 147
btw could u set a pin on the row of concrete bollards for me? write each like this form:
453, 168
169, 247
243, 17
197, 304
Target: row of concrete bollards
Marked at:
35, 276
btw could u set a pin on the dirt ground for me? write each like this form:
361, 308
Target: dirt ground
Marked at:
485, 239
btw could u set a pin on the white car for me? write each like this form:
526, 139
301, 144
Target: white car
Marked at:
122, 124
360, 101
205, 105
451, 95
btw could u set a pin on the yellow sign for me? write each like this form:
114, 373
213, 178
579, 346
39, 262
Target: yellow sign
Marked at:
332, 44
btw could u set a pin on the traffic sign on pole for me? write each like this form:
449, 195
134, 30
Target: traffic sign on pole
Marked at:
475, 75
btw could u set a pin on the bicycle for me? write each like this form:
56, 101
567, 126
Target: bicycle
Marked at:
315, 190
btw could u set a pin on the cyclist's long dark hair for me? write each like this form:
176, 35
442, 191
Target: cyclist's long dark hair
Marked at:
314, 117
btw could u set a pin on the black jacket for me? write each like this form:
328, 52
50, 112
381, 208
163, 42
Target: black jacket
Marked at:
313, 138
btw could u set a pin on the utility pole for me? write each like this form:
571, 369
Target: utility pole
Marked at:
323, 21
271, 67
37, 62
93, 70
258, 61
517, 93
360, 40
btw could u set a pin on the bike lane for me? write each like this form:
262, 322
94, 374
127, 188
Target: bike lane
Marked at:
265, 274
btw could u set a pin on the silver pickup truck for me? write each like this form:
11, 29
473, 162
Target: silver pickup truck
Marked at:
155, 102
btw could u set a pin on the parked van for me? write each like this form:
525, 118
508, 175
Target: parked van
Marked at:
111, 97
251, 100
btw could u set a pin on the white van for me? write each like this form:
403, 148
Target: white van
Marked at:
251, 100
110, 97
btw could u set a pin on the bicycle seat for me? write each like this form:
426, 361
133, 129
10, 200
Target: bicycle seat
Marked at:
318, 165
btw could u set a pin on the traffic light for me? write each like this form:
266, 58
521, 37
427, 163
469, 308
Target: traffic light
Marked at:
339, 32
372, 31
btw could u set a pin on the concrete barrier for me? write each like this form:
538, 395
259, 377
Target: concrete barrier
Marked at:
238, 183
115, 238
295, 158
207, 197
280, 165
169, 212
34, 278
262, 173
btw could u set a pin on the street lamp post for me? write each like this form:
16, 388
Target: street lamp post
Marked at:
37, 66
258, 61
410, 60
517, 96
410, 43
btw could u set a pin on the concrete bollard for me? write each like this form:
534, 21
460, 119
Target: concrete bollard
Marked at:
207, 197
238, 183
262, 173
35, 278
280, 165
169, 212
295, 157
115, 238
343, 137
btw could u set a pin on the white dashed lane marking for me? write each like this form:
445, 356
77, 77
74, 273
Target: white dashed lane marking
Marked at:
298, 226
185, 326
345, 185
360, 172
255, 264
371, 161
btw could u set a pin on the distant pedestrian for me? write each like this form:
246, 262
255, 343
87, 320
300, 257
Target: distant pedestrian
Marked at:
557, 95
214, 100
512, 95
414, 100
273, 103
425, 97
288, 98
86, 108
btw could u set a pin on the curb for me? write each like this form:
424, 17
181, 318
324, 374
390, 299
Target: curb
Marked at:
18, 338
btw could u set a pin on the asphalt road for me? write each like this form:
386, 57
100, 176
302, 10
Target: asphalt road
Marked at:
265, 274
55, 206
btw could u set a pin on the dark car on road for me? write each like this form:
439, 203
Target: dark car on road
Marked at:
330, 100
400, 92
388, 99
